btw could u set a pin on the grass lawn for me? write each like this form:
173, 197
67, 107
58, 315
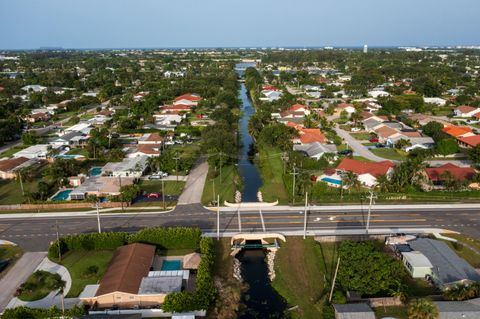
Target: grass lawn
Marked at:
389, 153
170, 187
13, 150
175, 252
228, 300
225, 188
39, 285
11, 193
78, 263
361, 136
462, 250
78, 151
270, 165
303, 270
395, 312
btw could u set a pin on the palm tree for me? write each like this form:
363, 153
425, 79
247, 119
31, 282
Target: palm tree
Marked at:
60, 285
350, 180
402, 143
422, 309
383, 183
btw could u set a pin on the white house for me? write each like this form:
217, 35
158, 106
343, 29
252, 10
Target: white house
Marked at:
167, 119
271, 96
315, 150
34, 88
435, 100
378, 93
129, 167
466, 111
81, 127
34, 151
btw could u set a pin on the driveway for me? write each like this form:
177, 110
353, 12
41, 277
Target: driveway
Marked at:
17, 275
193, 190
357, 147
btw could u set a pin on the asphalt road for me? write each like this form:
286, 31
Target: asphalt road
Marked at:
34, 234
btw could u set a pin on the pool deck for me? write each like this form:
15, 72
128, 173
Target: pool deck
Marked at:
158, 261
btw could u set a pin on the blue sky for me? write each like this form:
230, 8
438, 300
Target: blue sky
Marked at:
28, 24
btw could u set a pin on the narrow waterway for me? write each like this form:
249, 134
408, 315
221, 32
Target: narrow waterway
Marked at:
261, 300
247, 169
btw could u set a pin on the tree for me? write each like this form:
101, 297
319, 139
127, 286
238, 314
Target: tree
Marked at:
422, 309
30, 138
350, 180
402, 143
474, 154
447, 146
432, 128
129, 193
60, 285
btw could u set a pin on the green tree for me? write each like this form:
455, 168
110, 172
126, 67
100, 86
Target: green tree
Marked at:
129, 192
474, 154
447, 146
30, 138
422, 309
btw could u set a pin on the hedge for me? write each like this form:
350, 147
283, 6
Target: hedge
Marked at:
205, 291
33, 313
168, 238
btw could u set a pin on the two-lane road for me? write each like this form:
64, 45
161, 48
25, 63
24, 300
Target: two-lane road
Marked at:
35, 233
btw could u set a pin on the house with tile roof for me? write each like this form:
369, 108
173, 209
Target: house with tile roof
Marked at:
188, 99
10, 166
469, 141
438, 175
458, 131
466, 111
367, 172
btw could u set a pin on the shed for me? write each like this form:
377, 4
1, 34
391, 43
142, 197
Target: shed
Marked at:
354, 311
192, 261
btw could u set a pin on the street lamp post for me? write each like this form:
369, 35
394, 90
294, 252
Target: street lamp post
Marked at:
372, 196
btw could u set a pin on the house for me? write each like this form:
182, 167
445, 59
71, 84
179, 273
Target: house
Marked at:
151, 138
175, 109
271, 96
386, 133
367, 172
353, 311
129, 167
99, 119
349, 108
188, 99
438, 175
315, 150
466, 111
38, 117
434, 100
81, 127
423, 142
469, 141
372, 123
448, 269
100, 186
468, 309
70, 139
417, 264
35, 151
168, 120
378, 93
150, 150
295, 111
9, 167
458, 131
307, 135
34, 88
139, 96
127, 284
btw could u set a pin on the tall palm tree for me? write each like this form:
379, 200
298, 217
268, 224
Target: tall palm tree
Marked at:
350, 180
60, 285
383, 183
422, 309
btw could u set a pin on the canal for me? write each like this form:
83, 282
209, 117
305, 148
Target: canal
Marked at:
260, 299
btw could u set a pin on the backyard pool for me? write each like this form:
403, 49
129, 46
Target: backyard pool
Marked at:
62, 195
95, 171
332, 180
172, 265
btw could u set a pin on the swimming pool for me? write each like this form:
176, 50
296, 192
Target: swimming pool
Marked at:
172, 265
62, 195
95, 171
332, 180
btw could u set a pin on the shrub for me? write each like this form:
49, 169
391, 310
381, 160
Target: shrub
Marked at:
90, 271
168, 238
35, 313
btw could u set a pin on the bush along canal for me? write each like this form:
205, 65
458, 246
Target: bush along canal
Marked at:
261, 300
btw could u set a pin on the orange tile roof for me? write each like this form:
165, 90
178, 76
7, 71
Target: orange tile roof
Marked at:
470, 140
309, 135
459, 173
190, 97
456, 131
360, 167
385, 131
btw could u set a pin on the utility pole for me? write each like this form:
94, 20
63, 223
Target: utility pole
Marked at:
20, 173
305, 217
98, 218
218, 217
334, 279
221, 164
163, 194
284, 158
262, 220
213, 188
121, 196
293, 187
176, 158
58, 241
372, 197
239, 220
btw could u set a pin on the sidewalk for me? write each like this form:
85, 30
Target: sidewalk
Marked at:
17, 275
53, 298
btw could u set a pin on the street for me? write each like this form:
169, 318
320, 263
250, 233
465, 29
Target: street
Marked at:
35, 233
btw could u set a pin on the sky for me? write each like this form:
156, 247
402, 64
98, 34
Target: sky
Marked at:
30, 24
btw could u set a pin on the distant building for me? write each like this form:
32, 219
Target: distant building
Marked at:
365, 48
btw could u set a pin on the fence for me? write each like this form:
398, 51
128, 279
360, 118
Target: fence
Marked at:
59, 206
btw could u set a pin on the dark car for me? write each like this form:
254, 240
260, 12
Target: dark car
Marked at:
380, 145
345, 152
3, 264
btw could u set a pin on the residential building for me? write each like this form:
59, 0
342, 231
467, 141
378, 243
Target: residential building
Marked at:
448, 269
435, 100
458, 131
129, 167
353, 311
35, 151
38, 117
9, 167
175, 109
349, 108
100, 186
468, 309
73, 138
168, 120
466, 111
417, 264
469, 141
307, 135
271, 96
151, 138
377, 93
315, 150
82, 127
438, 175
150, 150
367, 172
34, 88
188, 99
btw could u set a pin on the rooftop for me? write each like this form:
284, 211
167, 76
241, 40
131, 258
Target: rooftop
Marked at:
361, 167
159, 285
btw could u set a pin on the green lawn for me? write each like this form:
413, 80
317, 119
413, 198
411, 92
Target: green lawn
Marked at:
395, 312
13, 150
172, 188
78, 262
389, 153
270, 165
226, 187
39, 285
78, 151
303, 270
11, 193
175, 252
471, 256
361, 136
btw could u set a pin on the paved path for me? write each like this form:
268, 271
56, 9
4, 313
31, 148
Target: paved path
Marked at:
17, 275
193, 190
52, 298
357, 146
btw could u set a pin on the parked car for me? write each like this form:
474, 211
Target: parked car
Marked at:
345, 152
373, 139
380, 145
4, 264
154, 195
155, 177
355, 129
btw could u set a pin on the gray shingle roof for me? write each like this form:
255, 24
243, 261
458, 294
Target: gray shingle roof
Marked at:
354, 311
458, 309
